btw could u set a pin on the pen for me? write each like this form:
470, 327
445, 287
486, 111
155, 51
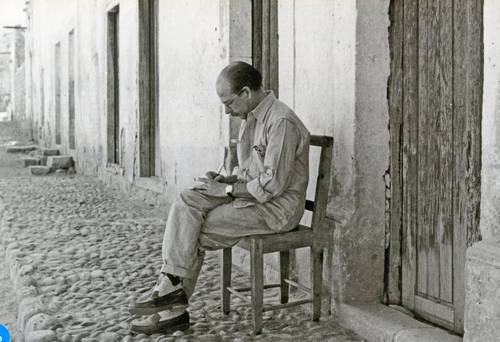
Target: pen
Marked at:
220, 168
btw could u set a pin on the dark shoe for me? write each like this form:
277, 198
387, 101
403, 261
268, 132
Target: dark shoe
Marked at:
153, 325
173, 300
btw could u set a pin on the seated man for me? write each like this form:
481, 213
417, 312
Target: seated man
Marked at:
267, 195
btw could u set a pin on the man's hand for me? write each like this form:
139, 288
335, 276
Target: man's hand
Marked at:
213, 176
211, 188
217, 177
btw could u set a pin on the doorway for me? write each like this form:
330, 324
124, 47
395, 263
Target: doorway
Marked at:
435, 99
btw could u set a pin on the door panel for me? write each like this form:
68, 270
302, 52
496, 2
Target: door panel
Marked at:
435, 153
439, 106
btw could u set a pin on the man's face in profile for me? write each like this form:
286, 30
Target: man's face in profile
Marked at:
235, 104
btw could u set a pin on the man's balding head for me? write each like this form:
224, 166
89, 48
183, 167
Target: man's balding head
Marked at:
239, 87
239, 75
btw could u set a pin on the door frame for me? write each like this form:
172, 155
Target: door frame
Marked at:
469, 61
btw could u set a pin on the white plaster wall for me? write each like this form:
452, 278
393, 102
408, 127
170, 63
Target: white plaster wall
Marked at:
334, 66
193, 127
193, 48
490, 175
52, 22
482, 268
317, 78
90, 88
363, 236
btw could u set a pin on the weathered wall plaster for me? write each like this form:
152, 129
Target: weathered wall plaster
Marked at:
50, 23
363, 242
192, 126
334, 65
482, 271
490, 177
482, 293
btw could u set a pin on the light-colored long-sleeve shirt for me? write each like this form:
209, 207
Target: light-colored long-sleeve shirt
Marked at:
273, 156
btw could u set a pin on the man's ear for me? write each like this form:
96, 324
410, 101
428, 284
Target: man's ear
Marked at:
247, 90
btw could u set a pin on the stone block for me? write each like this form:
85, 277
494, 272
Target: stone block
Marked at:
39, 170
31, 161
40, 321
41, 336
377, 322
21, 149
425, 335
109, 337
50, 152
60, 162
28, 307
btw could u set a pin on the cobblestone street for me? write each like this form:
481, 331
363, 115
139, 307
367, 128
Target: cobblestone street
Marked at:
78, 252
8, 306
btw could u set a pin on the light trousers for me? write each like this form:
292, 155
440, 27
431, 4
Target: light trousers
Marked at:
198, 222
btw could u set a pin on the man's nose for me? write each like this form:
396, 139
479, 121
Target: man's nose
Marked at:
228, 110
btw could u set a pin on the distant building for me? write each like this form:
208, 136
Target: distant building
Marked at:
12, 74
4, 72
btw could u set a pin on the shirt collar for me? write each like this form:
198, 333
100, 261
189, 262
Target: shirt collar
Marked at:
262, 108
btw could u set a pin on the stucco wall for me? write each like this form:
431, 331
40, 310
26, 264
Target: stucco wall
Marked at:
20, 91
490, 177
193, 47
90, 86
364, 235
482, 271
334, 65
193, 127
50, 23
17, 82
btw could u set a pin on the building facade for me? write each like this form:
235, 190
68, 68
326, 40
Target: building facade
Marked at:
128, 88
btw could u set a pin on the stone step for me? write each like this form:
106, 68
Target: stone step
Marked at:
60, 162
28, 161
40, 170
21, 149
50, 152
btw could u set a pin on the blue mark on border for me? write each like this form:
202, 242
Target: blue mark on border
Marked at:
4, 334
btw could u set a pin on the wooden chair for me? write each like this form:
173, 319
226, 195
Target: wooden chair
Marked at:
316, 237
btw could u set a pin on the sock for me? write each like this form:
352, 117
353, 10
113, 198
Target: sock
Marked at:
173, 279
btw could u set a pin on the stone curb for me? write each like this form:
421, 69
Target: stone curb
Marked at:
32, 319
380, 323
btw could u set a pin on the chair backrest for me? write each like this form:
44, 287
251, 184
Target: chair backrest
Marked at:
318, 206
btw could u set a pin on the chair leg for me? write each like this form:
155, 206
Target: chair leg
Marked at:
317, 280
284, 274
226, 264
257, 280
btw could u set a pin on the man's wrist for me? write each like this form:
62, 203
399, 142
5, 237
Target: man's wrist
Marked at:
240, 191
230, 190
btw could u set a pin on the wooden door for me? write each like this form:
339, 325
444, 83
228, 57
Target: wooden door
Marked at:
149, 155
435, 104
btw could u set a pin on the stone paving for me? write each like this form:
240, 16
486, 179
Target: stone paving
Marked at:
79, 252
8, 304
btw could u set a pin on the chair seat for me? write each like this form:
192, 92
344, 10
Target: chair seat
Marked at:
302, 236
